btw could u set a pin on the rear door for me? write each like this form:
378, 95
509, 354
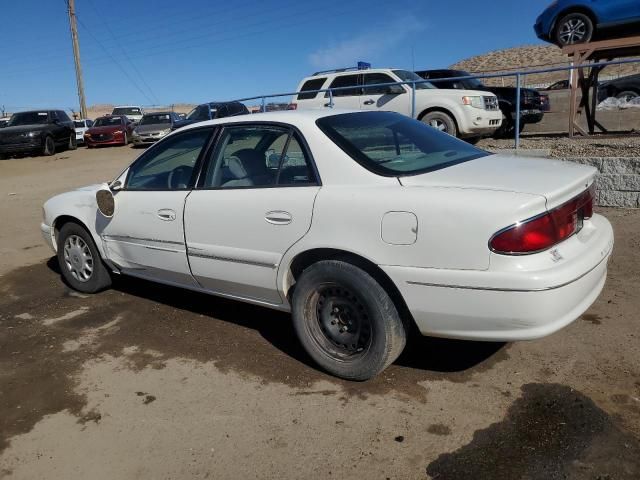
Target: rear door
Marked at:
254, 201
393, 98
347, 98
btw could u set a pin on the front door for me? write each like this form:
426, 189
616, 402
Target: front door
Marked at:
392, 98
254, 202
145, 236
620, 11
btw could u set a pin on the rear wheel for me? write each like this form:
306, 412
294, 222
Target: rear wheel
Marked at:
80, 261
441, 121
574, 28
346, 321
49, 146
125, 141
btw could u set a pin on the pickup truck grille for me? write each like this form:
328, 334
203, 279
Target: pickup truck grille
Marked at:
491, 103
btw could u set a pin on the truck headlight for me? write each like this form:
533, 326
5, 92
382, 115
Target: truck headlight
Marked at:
476, 102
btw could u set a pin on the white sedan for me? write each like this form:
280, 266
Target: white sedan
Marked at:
361, 224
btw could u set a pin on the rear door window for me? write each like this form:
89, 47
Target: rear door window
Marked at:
346, 81
376, 78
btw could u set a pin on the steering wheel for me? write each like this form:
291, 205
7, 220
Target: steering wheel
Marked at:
178, 173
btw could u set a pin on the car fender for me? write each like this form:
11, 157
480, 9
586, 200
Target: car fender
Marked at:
79, 205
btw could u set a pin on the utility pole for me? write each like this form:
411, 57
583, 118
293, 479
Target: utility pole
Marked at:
76, 56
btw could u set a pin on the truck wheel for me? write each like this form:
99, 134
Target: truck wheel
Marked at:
574, 28
441, 121
49, 147
72, 142
346, 321
627, 95
80, 261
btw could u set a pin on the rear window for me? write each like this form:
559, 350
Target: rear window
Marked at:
315, 84
345, 81
391, 144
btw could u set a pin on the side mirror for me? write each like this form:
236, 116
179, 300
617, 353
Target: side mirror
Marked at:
106, 202
115, 186
395, 90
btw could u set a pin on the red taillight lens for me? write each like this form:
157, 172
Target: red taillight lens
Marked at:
545, 231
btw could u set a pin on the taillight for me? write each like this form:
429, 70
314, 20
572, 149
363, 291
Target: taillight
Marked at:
544, 231
292, 106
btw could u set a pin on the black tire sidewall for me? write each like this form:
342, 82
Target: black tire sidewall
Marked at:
100, 278
587, 21
72, 142
388, 335
446, 118
45, 150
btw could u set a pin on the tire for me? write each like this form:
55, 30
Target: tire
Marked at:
49, 146
73, 144
473, 140
346, 321
125, 142
441, 121
573, 28
75, 249
508, 128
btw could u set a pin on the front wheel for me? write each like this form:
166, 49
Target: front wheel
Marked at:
73, 144
627, 95
80, 261
49, 147
346, 321
125, 141
574, 28
441, 121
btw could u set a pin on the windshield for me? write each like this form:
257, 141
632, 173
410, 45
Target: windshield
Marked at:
155, 118
108, 122
28, 118
407, 76
391, 144
126, 111
79, 123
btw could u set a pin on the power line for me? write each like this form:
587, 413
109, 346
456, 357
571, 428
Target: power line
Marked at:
135, 69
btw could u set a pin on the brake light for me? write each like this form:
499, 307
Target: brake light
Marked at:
292, 106
544, 231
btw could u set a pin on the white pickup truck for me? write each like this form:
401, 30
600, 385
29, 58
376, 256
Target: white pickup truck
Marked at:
132, 112
468, 114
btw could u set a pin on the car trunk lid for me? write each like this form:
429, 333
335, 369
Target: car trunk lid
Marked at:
557, 181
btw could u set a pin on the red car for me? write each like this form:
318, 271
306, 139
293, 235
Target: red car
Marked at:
109, 130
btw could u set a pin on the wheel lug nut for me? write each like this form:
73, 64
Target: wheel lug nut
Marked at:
343, 329
333, 322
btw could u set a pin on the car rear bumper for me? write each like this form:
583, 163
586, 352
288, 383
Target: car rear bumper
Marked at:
507, 306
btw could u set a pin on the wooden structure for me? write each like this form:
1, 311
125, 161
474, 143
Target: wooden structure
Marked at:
589, 56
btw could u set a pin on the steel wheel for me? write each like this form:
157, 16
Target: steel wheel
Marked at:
342, 327
78, 258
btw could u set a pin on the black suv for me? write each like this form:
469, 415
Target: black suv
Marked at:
212, 110
37, 131
531, 103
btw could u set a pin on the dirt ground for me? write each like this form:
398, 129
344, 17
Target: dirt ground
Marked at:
147, 381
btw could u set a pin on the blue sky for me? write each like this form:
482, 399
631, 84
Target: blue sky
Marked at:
189, 51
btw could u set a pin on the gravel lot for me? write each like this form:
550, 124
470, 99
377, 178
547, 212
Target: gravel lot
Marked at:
561, 146
146, 381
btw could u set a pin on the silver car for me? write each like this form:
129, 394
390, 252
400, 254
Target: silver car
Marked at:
154, 126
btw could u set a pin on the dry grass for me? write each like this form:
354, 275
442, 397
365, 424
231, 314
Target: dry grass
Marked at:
531, 57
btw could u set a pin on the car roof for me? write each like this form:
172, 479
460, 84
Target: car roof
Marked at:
293, 117
127, 106
158, 113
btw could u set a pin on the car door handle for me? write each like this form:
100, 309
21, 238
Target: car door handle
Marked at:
278, 217
167, 215
369, 102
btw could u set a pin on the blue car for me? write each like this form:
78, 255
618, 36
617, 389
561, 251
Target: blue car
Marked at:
566, 22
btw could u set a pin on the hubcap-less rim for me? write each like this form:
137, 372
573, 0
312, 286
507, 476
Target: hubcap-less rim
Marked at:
342, 325
438, 124
573, 31
78, 258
